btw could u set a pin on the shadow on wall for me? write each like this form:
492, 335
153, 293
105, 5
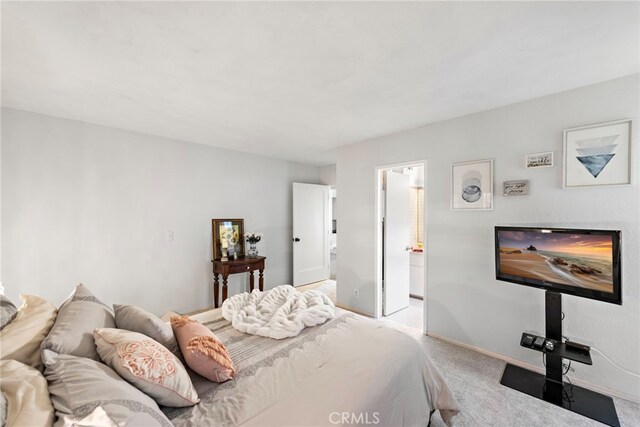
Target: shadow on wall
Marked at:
354, 300
445, 317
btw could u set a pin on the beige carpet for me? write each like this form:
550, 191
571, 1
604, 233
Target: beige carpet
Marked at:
474, 379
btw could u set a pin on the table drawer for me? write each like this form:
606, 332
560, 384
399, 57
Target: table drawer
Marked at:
241, 268
246, 267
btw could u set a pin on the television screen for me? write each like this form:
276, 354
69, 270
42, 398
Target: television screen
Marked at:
578, 262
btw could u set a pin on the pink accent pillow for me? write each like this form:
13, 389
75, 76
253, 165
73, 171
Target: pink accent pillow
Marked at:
203, 352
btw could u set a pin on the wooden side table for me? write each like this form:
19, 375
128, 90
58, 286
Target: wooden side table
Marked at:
240, 265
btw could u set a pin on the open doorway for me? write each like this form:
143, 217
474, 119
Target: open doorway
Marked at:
401, 243
333, 243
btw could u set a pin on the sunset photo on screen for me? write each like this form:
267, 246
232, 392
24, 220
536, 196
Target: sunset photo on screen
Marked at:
584, 260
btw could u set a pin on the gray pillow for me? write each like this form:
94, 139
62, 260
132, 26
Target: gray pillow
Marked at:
8, 311
79, 385
136, 319
79, 315
3, 409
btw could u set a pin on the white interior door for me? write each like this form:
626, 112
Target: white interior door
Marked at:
311, 232
396, 278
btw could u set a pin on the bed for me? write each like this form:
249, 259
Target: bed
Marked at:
349, 370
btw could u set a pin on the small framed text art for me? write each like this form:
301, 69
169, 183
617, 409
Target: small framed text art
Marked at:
228, 234
539, 160
515, 188
598, 154
472, 185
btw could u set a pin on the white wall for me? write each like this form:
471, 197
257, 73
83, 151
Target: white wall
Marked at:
328, 175
1, 285
465, 302
92, 204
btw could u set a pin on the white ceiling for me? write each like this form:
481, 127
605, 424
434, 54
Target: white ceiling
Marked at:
295, 80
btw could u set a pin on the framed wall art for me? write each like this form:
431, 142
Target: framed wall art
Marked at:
597, 155
539, 160
472, 185
516, 188
228, 233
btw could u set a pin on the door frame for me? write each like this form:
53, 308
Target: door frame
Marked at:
378, 237
331, 189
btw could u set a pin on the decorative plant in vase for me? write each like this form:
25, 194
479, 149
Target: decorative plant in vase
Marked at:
253, 239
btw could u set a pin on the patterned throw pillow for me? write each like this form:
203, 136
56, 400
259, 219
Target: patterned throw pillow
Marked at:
203, 352
146, 364
78, 316
3, 409
8, 311
136, 319
79, 385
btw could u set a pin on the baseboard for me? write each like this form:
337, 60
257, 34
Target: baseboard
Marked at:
538, 369
355, 310
198, 311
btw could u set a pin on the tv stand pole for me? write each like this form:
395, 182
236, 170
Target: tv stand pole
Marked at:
550, 387
553, 330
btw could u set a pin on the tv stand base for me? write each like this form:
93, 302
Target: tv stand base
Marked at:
571, 397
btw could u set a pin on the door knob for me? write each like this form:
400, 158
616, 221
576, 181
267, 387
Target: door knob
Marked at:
295, 239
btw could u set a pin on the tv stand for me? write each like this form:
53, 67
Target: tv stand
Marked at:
550, 387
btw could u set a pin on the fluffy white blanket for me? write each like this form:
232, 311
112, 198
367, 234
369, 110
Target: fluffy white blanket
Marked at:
281, 312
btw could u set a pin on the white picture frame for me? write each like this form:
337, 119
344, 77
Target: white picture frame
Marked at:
597, 155
539, 160
472, 185
518, 187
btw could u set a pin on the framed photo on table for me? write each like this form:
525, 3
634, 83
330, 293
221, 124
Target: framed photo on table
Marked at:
597, 155
230, 234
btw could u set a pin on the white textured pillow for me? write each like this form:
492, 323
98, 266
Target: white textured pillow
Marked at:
146, 364
20, 340
98, 418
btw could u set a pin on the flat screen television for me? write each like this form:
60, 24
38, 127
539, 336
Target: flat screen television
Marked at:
584, 263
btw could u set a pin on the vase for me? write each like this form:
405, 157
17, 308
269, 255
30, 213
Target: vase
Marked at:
253, 250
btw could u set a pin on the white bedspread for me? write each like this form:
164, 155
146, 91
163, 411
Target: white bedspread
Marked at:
348, 371
281, 312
